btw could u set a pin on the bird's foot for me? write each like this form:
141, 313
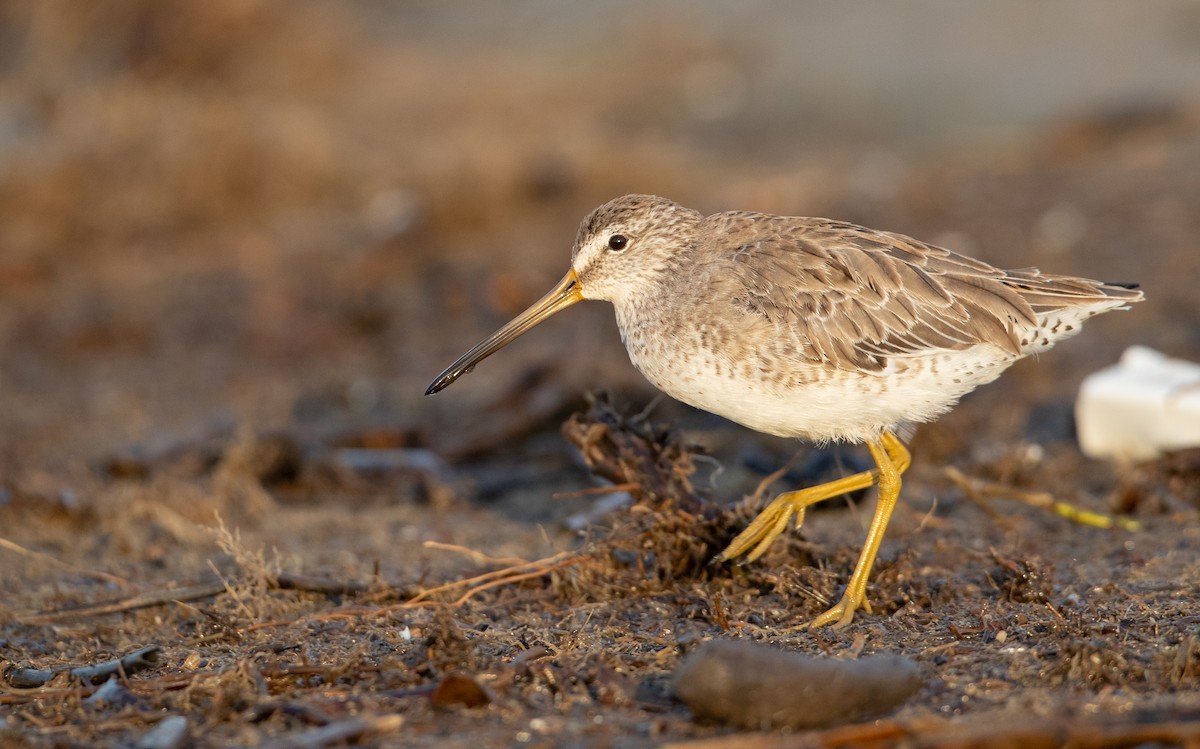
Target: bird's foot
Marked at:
773, 520
764, 529
843, 612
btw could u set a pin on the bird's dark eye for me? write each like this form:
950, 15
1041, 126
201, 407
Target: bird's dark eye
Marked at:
617, 242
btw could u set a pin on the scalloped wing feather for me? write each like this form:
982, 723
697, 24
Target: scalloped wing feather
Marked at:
854, 297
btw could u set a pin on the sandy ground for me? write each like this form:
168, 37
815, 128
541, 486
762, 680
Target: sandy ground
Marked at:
237, 240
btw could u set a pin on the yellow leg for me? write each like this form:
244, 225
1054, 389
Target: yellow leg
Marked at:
773, 520
885, 452
892, 459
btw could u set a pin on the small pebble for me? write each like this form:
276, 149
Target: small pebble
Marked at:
112, 695
760, 687
170, 733
459, 689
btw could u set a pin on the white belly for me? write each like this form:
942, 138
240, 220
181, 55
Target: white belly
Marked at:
790, 397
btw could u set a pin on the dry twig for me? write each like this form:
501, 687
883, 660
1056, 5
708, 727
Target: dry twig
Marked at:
138, 660
487, 580
475, 556
978, 490
18, 549
132, 603
284, 580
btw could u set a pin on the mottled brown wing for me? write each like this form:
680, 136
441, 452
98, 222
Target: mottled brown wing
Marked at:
854, 297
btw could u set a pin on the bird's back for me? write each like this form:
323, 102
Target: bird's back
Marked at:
858, 296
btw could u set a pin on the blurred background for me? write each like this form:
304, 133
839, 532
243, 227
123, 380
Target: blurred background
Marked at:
289, 216
238, 238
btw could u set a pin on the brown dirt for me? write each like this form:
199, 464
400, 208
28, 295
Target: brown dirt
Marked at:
237, 240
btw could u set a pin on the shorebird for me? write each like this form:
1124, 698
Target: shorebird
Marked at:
809, 328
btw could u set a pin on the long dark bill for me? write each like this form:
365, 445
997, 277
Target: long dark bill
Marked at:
564, 295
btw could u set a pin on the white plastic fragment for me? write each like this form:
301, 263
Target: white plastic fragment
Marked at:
1143, 406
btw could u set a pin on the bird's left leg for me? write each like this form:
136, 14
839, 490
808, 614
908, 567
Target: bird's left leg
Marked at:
773, 520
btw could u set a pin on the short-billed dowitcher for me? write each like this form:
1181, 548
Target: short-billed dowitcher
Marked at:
807, 327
